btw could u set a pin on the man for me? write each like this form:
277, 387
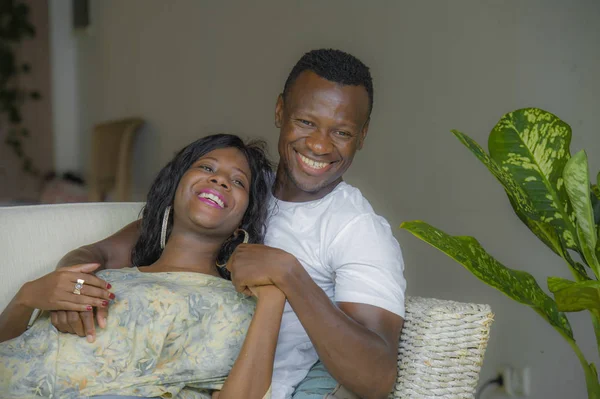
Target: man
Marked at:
333, 257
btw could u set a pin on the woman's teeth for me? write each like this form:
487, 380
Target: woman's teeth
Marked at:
213, 198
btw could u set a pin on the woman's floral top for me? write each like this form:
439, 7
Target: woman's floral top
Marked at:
167, 334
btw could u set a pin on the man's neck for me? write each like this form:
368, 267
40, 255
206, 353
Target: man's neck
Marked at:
285, 189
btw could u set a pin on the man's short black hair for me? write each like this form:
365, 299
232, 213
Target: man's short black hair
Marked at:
335, 66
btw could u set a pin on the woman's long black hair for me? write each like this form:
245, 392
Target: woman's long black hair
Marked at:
162, 194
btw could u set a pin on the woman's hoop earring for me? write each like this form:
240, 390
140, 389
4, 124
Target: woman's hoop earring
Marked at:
246, 235
165, 223
235, 234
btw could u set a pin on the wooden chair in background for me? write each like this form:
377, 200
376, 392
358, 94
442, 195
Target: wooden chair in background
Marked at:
110, 168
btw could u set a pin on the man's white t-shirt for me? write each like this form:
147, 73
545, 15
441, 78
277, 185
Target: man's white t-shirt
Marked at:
350, 253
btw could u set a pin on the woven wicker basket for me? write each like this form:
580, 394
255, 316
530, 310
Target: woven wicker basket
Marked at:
441, 349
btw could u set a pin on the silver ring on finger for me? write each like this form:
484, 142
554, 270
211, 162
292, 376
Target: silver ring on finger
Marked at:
78, 286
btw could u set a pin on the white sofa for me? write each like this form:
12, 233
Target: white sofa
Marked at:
440, 351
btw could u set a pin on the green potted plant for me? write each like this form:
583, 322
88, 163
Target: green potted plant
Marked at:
15, 26
550, 191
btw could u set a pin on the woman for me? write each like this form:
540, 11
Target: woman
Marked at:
176, 325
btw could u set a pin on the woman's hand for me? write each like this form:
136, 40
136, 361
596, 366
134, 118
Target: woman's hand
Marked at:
55, 291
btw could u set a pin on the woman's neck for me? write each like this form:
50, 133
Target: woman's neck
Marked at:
188, 253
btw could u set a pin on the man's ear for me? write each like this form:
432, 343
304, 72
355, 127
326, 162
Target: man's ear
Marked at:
363, 134
279, 111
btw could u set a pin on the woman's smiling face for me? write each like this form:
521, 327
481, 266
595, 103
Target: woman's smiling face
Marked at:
213, 194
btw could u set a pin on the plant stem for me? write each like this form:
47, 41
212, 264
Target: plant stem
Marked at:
594, 314
572, 265
596, 323
591, 377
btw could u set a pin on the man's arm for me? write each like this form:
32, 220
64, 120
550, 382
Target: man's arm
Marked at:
113, 252
356, 342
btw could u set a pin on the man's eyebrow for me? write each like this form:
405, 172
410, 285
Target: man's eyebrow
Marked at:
342, 124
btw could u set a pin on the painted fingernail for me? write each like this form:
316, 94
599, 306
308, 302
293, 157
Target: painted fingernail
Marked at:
88, 308
111, 296
105, 303
90, 338
108, 286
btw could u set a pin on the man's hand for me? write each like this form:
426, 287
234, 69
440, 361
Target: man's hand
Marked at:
254, 265
80, 323
95, 292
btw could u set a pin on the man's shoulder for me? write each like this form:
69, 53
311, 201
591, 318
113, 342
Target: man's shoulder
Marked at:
344, 205
349, 210
348, 201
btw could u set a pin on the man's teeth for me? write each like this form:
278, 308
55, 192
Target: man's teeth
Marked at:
313, 164
213, 198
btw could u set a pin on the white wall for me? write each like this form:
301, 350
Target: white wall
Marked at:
192, 68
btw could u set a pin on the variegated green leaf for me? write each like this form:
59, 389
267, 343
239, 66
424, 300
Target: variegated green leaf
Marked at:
577, 183
596, 205
574, 297
532, 145
595, 197
598, 250
518, 285
589, 254
596, 325
581, 272
596, 190
517, 196
521, 204
556, 284
548, 235
568, 299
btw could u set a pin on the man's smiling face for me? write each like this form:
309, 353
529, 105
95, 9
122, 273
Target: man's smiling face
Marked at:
322, 125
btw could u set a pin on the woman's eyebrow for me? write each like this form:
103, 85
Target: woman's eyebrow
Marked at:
235, 167
242, 172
